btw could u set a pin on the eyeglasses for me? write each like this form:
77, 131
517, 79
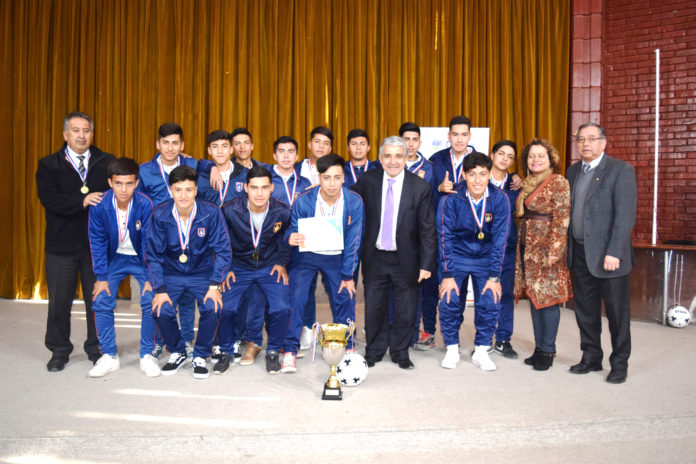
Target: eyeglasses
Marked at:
582, 140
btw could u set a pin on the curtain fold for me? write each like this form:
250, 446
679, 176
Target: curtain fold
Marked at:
278, 67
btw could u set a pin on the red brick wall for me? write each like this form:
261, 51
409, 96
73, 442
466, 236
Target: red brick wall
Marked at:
631, 31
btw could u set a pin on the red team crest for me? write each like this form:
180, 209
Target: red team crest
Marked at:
239, 186
138, 225
421, 174
201, 231
489, 217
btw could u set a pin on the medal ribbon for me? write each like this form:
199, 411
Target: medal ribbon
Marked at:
479, 222
83, 178
291, 198
125, 224
352, 171
255, 239
184, 241
164, 178
333, 208
414, 167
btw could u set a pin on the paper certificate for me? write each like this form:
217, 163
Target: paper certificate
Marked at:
322, 233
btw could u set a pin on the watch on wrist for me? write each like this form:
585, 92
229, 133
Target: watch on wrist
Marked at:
214, 287
494, 279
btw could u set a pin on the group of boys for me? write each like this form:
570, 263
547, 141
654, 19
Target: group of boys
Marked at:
225, 235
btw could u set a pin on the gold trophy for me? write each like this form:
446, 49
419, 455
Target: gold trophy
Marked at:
333, 339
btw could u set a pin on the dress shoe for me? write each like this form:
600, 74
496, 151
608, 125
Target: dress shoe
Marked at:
617, 376
584, 367
533, 358
372, 360
544, 360
56, 363
406, 364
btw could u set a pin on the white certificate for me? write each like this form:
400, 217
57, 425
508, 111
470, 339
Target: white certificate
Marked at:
322, 233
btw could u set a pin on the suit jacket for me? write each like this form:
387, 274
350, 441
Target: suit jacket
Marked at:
608, 216
415, 224
58, 185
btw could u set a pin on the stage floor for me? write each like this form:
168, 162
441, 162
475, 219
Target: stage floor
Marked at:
429, 414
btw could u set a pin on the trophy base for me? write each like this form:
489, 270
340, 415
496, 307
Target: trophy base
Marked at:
332, 393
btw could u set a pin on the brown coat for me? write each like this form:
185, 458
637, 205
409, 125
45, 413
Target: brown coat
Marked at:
545, 285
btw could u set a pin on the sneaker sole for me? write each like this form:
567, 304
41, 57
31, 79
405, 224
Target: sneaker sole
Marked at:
173, 371
96, 376
486, 369
288, 370
300, 355
506, 356
201, 376
151, 374
423, 347
273, 372
448, 366
220, 372
246, 362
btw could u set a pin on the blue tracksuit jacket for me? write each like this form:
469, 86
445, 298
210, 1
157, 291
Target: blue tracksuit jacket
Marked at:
153, 184
236, 183
279, 191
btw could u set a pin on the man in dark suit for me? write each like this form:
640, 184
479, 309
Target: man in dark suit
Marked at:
68, 182
600, 254
399, 250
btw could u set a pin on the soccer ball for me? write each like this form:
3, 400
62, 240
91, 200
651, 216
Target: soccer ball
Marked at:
678, 316
352, 370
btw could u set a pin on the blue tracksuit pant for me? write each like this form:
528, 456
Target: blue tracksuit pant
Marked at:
486, 310
301, 276
197, 285
120, 267
274, 293
253, 308
507, 301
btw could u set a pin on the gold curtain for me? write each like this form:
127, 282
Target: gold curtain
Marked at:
278, 67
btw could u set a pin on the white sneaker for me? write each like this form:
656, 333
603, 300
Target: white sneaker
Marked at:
451, 358
481, 359
104, 365
306, 338
288, 365
149, 365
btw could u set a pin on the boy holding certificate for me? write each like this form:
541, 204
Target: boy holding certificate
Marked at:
472, 227
335, 254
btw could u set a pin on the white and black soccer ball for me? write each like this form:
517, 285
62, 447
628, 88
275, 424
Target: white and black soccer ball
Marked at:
352, 370
678, 316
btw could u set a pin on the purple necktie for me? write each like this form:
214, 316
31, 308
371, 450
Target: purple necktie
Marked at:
388, 220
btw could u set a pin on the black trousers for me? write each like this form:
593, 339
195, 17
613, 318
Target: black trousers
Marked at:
61, 278
590, 292
387, 273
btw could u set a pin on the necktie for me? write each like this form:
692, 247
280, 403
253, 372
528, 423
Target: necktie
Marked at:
388, 220
585, 167
81, 167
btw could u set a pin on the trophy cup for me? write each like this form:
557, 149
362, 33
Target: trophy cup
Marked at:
333, 339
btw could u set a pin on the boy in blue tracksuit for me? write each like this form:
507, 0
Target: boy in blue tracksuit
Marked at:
188, 250
117, 231
428, 295
330, 198
359, 163
503, 156
260, 255
472, 225
154, 183
447, 163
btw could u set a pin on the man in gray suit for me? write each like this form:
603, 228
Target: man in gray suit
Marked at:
604, 196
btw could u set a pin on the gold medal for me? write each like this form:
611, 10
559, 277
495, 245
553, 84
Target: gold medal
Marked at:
183, 258
480, 235
255, 255
84, 189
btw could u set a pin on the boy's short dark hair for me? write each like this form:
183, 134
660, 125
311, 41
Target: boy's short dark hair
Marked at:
461, 119
284, 139
323, 130
123, 167
476, 159
240, 131
170, 128
325, 162
408, 127
355, 133
183, 173
217, 135
258, 171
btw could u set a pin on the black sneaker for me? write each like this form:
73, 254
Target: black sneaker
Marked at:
223, 363
176, 360
272, 362
216, 354
200, 371
505, 348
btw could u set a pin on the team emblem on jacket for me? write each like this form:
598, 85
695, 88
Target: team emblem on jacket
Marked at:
276, 227
138, 225
201, 231
239, 186
421, 173
489, 217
